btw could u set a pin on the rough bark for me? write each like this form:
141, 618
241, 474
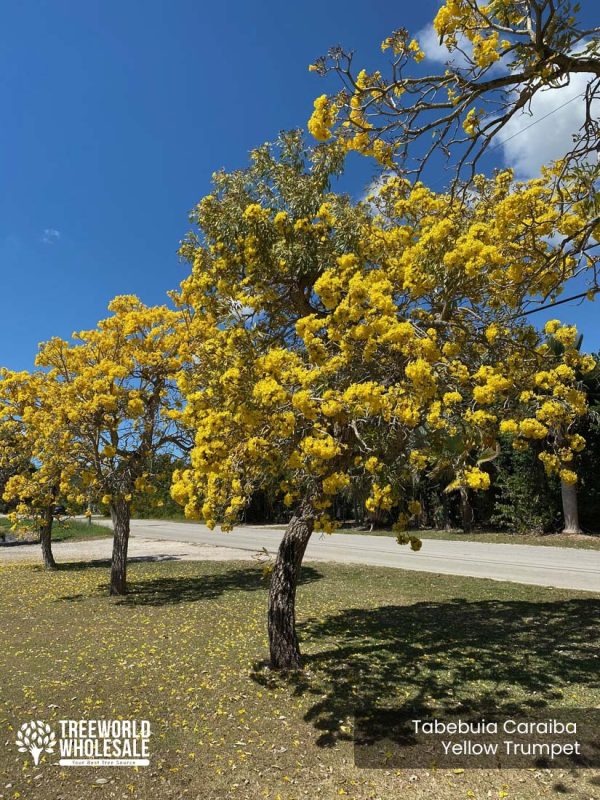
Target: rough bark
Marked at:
120, 513
570, 507
283, 641
46, 540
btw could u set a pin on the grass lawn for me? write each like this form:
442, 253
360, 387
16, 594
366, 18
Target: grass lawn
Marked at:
185, 650
72, 530
584, 541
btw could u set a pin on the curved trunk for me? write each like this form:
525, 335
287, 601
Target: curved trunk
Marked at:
46, 540
120, 513
283, 641
570, 508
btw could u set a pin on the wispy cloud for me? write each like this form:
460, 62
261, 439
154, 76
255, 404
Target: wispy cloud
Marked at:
50, 236
461, 57
429, 40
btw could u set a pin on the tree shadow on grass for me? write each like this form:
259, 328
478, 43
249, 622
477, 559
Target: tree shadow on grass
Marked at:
95, 563
182, 588
18, 543
189, 589
458, 656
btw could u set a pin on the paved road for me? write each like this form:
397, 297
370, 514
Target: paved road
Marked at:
566, 568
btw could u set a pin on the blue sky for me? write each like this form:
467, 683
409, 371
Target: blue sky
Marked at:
115, 116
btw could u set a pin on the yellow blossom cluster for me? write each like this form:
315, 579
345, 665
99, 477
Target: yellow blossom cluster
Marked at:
322, 119
460, 17
368, 329
97, 412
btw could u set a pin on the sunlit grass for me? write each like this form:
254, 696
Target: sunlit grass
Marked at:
186, 650
69, 530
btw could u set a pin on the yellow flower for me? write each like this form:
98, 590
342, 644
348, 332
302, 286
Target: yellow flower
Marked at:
552, 326
532, 429
135, 407
450, 398
415, 48
476, 478
322, 119
471, 122
509, 426
372, 464
414, 507
568, 476
335, 482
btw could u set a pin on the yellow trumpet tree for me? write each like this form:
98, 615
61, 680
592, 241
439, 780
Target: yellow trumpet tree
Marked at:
330, 337
32, 452
501, 55
118, 407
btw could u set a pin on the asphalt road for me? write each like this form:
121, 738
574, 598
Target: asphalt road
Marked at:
565, 568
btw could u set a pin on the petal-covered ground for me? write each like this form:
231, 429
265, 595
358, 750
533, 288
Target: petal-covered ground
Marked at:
186, 650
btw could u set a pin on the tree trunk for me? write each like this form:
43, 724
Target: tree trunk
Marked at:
466, 510
447, 522
120, 513
570, 509
46, 540
283, 642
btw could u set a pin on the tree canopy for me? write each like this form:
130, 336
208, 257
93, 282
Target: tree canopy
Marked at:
331, 339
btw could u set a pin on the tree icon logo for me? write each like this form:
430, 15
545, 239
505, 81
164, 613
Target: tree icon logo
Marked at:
36, 737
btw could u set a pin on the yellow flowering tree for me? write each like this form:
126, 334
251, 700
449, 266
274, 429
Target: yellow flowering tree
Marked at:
500, 56
117, 406
343, 345
31, 452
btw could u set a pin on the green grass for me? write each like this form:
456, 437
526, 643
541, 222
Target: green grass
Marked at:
72, 530
583, 541
186, 648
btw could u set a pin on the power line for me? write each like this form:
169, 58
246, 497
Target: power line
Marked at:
535, 122
593, 291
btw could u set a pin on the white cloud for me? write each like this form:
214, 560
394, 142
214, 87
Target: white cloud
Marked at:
429, 40
374, 187
557, 114
538, 135
50, 236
